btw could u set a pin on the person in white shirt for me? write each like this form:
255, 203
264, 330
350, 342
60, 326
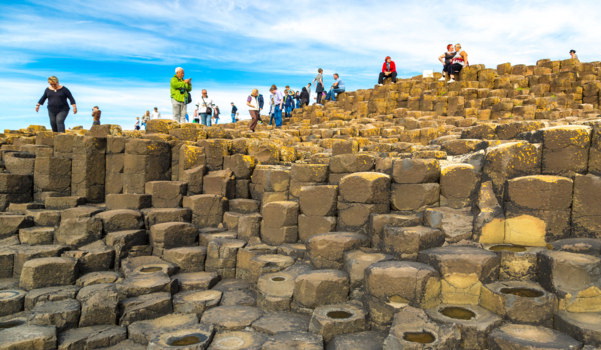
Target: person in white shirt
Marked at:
205, 109
155, 114
253, 108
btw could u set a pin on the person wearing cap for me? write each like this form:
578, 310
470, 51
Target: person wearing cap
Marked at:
234, 111
388, 70
96, 115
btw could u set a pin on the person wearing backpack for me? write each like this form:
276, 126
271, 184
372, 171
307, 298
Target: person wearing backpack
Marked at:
253, 109
304, 95
288, 103
180, 94
277, 103
205, 108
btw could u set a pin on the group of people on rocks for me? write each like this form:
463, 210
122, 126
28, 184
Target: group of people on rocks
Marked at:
454, 59
141, 122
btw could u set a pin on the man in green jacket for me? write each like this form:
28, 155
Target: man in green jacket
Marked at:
180, 94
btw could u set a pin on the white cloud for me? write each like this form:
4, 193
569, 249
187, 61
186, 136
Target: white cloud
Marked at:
272, 41
119, 103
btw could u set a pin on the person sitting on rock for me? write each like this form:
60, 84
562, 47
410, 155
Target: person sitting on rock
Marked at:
457, 62
573, 54
388, 71
445, 59
337, 88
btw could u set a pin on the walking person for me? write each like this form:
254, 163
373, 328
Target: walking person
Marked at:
96, 115
234, 111
277, 104
337, 88
205, 108
216, 113
319, 87
180, 95
58, 108
388, 71
446, 59
253, 108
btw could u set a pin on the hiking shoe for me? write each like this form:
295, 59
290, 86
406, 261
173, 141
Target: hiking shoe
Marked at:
442, 79
451, 81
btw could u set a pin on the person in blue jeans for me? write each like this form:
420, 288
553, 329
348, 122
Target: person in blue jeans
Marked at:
277, 102
234, 112
289, 103
205, 108
337, 88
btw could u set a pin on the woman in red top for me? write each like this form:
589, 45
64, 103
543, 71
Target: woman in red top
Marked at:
388, 71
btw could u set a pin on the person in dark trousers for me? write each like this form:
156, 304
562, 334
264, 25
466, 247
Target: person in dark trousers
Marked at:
58, 109
388, 71
96, 115
304, 95
446, 59
253, 108
319, 89
234, 111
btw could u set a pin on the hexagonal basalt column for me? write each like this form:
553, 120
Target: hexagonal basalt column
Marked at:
520, 301
331, 320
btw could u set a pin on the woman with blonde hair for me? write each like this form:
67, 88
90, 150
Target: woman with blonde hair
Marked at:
253, 108
58, 109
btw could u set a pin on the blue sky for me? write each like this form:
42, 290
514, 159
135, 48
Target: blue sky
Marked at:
120, 55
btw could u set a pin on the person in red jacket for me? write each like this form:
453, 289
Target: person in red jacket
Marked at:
388, 71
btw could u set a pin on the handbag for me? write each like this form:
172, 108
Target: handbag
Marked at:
208, 110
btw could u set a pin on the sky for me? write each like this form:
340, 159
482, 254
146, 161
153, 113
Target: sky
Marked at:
120, 55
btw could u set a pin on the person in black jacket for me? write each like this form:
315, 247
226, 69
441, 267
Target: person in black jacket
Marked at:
304, 95
58, 109
234, 112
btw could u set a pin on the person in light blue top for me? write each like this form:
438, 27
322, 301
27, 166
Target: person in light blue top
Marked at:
337, 88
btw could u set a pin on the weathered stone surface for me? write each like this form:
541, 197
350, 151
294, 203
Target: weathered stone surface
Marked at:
321, 287
565, 149
207, 209
458, 184
513, 335
47, 272
326, 250
318, 200
331, 320
79, 231
403, 281
231, 317
414, 171
365, 187
29, 337
121, 219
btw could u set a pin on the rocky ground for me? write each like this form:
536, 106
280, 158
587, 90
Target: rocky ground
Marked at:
415, 215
